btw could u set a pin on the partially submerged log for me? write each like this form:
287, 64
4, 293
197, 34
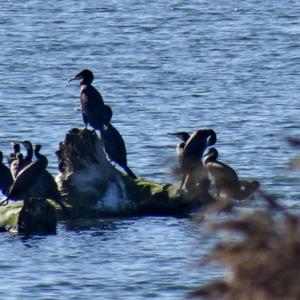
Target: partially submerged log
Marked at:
91, 186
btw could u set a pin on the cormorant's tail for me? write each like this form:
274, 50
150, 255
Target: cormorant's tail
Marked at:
129, 172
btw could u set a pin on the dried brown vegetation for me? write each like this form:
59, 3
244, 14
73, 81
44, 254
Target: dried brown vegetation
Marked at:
263, 259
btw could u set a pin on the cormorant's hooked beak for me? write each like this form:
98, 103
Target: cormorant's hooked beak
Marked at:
73, 78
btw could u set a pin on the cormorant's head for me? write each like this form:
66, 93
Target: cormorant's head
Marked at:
184, 136
27, 145
86, 77
1, 156
211, 155
37, 149
212, 137
16, 147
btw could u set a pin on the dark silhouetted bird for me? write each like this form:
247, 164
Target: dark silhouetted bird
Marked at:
12, 156
191, 156
226, 180
27, 178
184, 136
28, 158
35, 180
92, 105
114, 147
17, 165
6, 178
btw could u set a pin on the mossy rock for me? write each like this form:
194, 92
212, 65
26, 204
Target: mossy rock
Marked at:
36, 217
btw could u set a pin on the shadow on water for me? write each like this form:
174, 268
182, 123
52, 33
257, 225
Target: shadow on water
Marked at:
98, 226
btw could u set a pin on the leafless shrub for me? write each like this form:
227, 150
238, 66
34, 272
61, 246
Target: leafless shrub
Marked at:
264, 259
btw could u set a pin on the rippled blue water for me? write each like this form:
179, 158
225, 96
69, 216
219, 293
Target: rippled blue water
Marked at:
162, 66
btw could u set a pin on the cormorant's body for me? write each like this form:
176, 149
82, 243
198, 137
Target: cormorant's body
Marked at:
27, 177
190, 153
195, 147
46, 187
114, 146
92, 105
6, 178
226, 179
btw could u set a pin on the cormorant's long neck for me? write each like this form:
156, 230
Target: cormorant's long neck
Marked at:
29, 154
211, 158
43, 159
86, 82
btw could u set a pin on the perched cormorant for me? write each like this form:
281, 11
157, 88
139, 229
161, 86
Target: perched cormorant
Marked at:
27, 177
226, 179
12, 156
6, 178
17, 165
184, 136
191, 156
114, 146
92, 105
29, 155
35, 180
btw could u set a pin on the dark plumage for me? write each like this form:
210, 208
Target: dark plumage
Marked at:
184, 136
92, 105
35, 180
17, 165
29, 154
226, 179
6, 178
114, 146
12, 156
190, 154
27, 177
46, 187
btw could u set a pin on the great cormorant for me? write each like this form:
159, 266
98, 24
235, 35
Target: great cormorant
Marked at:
107, 114
28, 158
191, 156
27, 177
6, 178
184, 136
35, 180
226, 180
12, 156
17, 165
114, 147
92, 105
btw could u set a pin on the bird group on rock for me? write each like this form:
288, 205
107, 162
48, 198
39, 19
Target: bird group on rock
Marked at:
25, 177
98, 115
200, 170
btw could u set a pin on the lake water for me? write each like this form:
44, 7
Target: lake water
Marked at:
162, 66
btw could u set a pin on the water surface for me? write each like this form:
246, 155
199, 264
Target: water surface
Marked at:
163, 66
